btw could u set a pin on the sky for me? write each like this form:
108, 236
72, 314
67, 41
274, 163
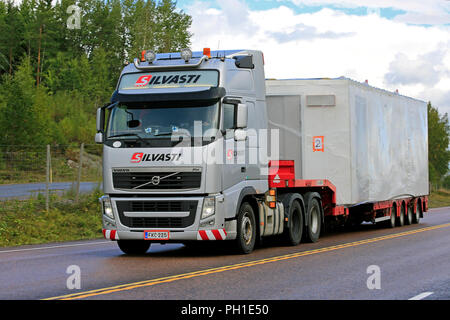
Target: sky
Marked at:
395, 44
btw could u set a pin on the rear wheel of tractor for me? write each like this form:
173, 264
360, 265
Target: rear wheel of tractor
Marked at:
134, 247
295, 227
401, 219
312, 231
246, 229
409, 216
416, 217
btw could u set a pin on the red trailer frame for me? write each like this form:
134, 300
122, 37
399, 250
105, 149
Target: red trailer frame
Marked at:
282, 178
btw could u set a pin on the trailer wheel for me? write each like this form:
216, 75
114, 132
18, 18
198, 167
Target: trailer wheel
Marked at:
409, 216
295, 227
392, 221
416, 217
315, 220
401, 219
246, 229
134, 247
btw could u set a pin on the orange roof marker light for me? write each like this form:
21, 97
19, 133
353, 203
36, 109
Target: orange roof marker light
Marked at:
143, 56
207, 52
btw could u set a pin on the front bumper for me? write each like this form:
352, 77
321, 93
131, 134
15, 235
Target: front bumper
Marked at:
214, 234
180, 216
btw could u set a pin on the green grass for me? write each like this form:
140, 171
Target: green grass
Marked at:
27, 222
439, 198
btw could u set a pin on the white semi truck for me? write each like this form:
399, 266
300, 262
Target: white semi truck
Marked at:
201, 147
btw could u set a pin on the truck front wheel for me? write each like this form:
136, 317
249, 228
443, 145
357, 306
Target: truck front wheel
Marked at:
134, 247
246, 229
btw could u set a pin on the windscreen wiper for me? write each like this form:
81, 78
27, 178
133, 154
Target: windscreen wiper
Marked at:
129, 135
162, 134
126, 135
172, 133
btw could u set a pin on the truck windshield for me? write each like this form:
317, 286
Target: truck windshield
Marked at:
143, 122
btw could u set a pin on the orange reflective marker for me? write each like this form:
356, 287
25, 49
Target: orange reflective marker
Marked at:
318, 144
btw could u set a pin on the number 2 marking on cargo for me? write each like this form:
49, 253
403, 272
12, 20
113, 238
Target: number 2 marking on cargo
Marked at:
318, 144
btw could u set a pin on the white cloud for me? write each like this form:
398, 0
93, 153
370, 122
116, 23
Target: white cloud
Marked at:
438, 96
305, 32
424, 18
427, 69
417, 11
330, 43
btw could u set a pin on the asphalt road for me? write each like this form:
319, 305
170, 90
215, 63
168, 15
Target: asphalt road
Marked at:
27, 190
411, 261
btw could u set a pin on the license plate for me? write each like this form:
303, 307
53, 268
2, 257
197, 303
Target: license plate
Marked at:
156, 235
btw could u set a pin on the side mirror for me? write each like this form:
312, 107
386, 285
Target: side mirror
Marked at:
100, 119
242, 116
99, 137
240, 135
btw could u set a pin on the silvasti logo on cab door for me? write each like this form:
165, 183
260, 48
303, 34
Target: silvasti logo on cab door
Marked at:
139, 157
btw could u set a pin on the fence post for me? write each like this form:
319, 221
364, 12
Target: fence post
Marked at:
51, 171
80, 167
47, 179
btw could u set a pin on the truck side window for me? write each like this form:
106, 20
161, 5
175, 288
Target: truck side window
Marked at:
228, 116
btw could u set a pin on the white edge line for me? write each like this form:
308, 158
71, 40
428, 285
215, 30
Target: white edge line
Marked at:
55, 247
421, 296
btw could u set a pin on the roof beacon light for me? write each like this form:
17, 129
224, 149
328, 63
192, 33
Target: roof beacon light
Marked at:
207, 52
150, 56
186, 55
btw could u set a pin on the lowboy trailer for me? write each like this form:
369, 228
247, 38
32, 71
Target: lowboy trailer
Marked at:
186, 141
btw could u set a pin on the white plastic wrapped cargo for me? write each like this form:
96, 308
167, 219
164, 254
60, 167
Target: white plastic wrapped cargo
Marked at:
370, 143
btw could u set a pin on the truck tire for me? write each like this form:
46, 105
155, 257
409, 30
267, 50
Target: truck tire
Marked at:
392, 222
409, 216
246, 229
401, 219
295, 226
134, 247
416, 217
312, 230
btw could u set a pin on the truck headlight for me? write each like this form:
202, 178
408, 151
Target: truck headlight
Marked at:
107, 207
209, 207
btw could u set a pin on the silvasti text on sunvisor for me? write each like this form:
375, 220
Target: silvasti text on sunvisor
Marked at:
169, 79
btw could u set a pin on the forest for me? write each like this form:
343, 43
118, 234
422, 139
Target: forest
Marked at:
60, 61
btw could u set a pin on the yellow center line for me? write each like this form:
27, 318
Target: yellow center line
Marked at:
152, 282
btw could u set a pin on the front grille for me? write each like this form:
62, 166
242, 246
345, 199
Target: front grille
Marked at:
156, 180
157, 206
